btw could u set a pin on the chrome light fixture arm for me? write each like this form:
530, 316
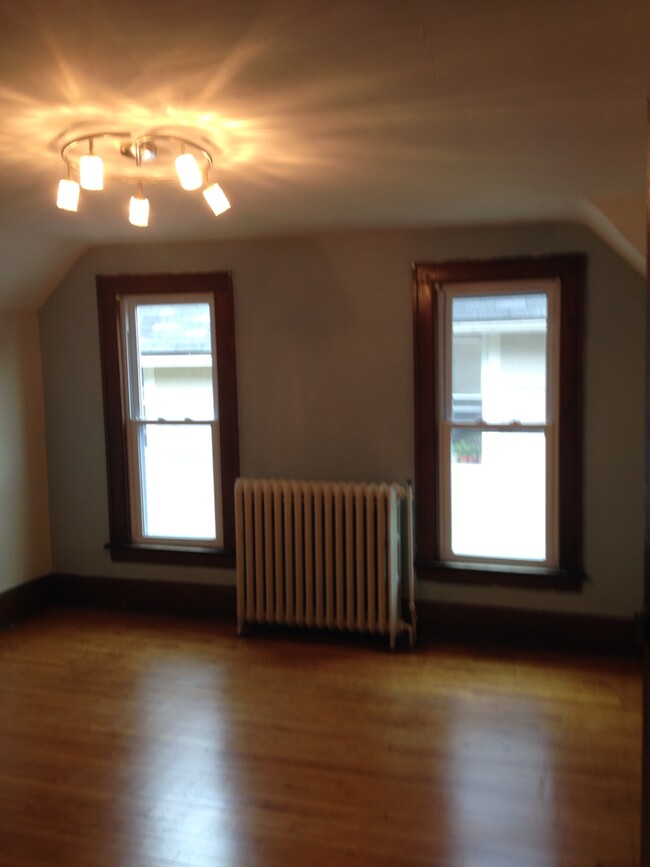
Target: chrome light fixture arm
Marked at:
69, 146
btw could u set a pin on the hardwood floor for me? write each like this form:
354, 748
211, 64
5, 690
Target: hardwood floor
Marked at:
135, 741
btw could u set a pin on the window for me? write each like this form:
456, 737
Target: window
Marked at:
498, 389
170, 403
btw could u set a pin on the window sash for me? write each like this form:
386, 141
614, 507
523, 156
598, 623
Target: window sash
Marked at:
130, 356
447, 553
137, 422
445, 295
138, 484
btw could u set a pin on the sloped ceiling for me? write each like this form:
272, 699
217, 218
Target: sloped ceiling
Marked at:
326, 115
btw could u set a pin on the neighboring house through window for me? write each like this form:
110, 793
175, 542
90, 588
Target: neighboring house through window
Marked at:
498, 420
168, 364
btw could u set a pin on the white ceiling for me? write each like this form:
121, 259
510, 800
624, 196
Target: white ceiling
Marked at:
326, 115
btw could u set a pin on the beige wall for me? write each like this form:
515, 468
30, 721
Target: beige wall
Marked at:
24, 525
324, 354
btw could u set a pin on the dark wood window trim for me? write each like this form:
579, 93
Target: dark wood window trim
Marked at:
570, 269
109, 289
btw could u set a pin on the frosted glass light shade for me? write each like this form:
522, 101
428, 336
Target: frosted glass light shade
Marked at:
139, 211
189, 173
216, 198
68, 195
91, 172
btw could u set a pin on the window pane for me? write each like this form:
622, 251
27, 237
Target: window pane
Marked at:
174, 357
177, 481
499, 358
498, 495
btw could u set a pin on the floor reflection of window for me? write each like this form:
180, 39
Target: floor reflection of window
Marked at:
183, 785
503, 804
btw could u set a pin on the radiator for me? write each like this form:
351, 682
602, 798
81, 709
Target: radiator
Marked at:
323, 554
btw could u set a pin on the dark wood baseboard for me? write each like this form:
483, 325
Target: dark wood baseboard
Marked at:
527, 628
439, 622
25, 600
207, 601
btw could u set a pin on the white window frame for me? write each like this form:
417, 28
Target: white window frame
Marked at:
136, 424
445, 293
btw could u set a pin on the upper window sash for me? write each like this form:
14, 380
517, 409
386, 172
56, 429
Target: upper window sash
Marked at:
445, 295
132, 358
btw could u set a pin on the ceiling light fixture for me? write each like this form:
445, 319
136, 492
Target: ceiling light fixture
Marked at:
154, 157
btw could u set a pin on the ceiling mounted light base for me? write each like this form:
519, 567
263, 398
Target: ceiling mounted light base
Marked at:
148, 151
151, 158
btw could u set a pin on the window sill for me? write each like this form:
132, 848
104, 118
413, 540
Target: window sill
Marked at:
499, 575
176, 555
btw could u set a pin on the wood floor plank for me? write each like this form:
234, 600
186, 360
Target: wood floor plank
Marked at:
136, 741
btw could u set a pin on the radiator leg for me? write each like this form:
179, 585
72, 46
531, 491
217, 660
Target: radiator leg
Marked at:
413, 631
410, 536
